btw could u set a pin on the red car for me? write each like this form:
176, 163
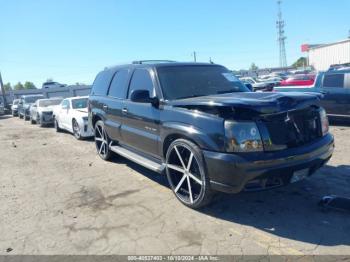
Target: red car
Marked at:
299, 80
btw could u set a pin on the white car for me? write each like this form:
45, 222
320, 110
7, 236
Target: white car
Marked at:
72, 115
14, 107
42, 111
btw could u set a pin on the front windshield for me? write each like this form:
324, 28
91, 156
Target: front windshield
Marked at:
31, 99
49, 102
193, 80
79, 103
15, 102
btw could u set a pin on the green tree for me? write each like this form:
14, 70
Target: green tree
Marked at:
253, 67
301, 62
18, 86
8, 87
29, 85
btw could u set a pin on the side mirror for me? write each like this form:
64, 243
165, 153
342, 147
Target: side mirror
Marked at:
250, 87
143, 96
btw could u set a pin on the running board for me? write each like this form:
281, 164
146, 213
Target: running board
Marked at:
143, 161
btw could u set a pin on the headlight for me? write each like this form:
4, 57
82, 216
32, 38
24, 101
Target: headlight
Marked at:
242, 137
324, 122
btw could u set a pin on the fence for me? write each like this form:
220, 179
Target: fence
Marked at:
67, 91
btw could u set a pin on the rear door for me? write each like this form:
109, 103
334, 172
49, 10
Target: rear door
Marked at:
114, 103
336, 90
140, 126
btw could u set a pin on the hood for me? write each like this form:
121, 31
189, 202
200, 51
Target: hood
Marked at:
81, 110
262, 103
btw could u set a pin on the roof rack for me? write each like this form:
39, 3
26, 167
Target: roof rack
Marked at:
152, 61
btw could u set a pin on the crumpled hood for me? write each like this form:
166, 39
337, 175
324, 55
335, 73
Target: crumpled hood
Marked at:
263, 102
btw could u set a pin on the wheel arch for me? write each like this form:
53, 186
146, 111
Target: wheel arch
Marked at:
197, 136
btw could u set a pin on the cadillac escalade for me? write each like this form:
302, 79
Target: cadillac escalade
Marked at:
199, 125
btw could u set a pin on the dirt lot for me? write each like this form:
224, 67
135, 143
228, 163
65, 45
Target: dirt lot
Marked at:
58, 197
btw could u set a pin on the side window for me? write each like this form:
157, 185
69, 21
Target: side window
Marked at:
64, 104
333, 80
101, 83
119, 84
141, 80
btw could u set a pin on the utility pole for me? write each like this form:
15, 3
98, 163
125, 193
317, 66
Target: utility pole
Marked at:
3, 91
281, 38
195, 56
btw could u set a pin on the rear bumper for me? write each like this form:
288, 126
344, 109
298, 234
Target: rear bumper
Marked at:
232, 172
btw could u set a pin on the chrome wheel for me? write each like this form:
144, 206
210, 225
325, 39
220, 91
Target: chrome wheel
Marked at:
185, 173
76, 130
101, 141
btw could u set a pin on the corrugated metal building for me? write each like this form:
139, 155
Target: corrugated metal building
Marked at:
323, 56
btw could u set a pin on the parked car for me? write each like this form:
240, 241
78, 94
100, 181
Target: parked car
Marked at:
42, 111
72, 115
2, 109
51, 84
335, 88
25, 103
201, 126
14, 107
258, 85
299, 80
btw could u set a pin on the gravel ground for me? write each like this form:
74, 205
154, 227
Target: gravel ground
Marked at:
59, 197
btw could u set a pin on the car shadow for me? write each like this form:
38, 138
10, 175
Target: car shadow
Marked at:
290, 212
2, 117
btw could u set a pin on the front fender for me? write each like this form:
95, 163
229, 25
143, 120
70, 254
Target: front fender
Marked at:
204, 139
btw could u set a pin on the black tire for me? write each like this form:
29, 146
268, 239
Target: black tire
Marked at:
38, 120
76, 130
31, 120
20, 116
102, 141
190, 160
25, 117
57, 127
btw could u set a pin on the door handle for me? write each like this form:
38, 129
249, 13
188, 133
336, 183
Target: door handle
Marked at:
124, 110
324, 92
105, 107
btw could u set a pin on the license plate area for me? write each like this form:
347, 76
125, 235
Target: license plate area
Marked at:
300, 175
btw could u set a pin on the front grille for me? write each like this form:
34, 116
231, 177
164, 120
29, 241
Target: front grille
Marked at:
293, 128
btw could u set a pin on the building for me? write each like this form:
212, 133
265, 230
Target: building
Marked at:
321, 57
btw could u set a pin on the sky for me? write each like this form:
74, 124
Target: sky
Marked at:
71, 41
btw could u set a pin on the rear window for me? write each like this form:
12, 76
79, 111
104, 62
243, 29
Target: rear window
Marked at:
101, 83
333, 80
79, 103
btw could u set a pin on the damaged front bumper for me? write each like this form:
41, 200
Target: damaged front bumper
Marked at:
232, 173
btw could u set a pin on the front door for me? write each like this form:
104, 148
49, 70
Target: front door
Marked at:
140, 127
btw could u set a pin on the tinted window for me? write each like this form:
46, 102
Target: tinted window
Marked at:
101, 83
118, 86
190, 81
333, 80
141, 80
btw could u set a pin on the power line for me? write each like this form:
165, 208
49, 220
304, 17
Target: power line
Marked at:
281, 37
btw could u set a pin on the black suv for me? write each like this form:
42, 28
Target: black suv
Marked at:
201, 126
